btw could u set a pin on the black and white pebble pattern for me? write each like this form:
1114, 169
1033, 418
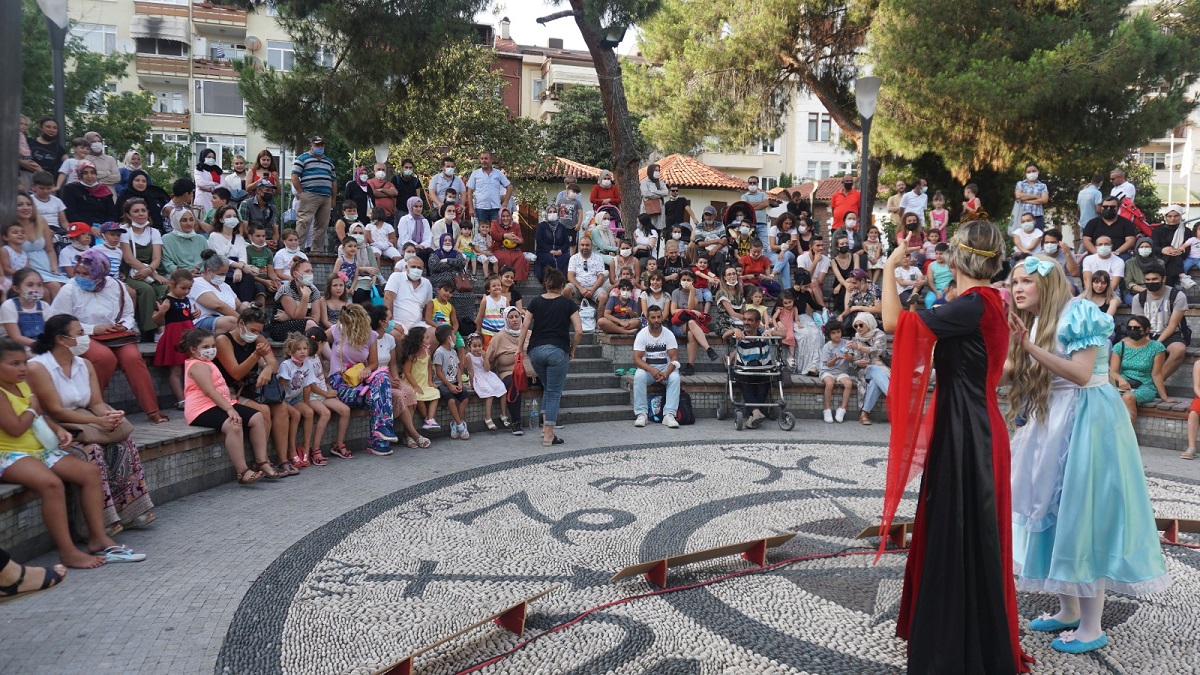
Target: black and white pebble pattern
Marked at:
403, 571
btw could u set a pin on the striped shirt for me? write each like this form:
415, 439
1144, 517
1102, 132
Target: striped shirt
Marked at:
316, 173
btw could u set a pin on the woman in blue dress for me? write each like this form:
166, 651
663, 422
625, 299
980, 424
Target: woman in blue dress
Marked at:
1082, 519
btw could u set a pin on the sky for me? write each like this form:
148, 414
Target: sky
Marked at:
527, 31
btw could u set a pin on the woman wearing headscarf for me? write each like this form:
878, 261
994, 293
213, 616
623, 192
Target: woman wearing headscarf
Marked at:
87, 199
103, 306
501, 358
445, 261
183, 246
139, 186
414, 227
207, 177
869, 345
506, 244
552, 244
605, 192
654, 191
133, 162
358, 191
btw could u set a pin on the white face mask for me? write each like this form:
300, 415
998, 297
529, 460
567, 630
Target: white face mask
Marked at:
189, 235
231, 222
744, 230
751, 188
408, 172
1031, 176
32, 295
802, 229
677, 235
449, 171
358, 237
551, 217
380, 174
207, 354
409, 255
292, 249
447, 247
414, 273
1104, 250
249, 336
306, 279
1145, 252
97, 148
1051, 248
606, 183
625, 252
851, 223
1027, 225
655, 175
81, 345
79, 244
93, 183
139, 226
210, 162
625, 295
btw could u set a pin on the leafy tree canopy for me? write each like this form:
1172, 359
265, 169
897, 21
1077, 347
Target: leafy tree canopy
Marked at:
574, 130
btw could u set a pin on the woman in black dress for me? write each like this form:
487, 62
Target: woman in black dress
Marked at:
843, 262
958, 609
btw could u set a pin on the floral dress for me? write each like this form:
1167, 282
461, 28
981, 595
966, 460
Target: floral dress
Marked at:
1138, 363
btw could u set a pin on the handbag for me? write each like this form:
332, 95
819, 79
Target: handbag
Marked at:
270, 393
376, 296
587, 316
44, 434
118, 338
94, 433
463, 283
520, 380
653, 206
352, 376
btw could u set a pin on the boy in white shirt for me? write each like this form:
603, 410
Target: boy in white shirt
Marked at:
80, 235
908, 279
382, 236
48, 206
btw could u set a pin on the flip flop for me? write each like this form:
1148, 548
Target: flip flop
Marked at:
120, 554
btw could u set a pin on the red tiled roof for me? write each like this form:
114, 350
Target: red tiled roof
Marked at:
562, 167
506, 46
825, 190
689, 172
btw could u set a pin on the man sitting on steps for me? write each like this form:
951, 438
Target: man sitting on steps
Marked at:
656, 355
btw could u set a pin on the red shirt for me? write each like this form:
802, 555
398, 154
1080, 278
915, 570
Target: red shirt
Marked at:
599, 194
843, 203
752, 266
701, 281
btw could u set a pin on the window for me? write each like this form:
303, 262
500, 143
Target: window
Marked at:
96, 101
844, 168
768, 182
326, 57
1154, 160
272, 10
825, 171
95, 37
539, 86
174, 141
171, 2
219, 51
818, 127
219, 98
161, 47
813, 121
280, 55
225, 146
170, 101
769, 146
811, 172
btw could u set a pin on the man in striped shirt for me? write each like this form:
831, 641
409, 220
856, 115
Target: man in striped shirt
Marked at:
316, 187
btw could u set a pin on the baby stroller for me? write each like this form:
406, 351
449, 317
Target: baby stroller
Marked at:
731, 221
614, 219
755, 359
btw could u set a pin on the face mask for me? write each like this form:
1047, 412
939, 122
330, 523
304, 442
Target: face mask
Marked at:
249, 336
414, 273
851, 223
1031, 176
802, 229
1109, 211
408, 255
677, 235
655, 175
207, 354
92, 183
189, 235
319, 152
625, 295
86, 283
210, 162
363, 177
656, 289
32, 295
625, 253
1154, 286
1051, 248
685, 285
731, 283
551, 217
292, 249
912, 226
1027, 225
843, 249
744, 230
306, 279
81, 345
449, 171
752, 189
1103, 250
848, 186
1145, 253
139, 226
606, 183
1137, 333
79, 244
359, 237
447, 247
408, 172
231, 222
97, 148
350, 216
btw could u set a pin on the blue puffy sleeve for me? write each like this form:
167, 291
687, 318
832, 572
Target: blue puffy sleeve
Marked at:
1083, 325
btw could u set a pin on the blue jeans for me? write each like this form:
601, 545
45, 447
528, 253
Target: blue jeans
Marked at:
550, 364
641, 380
487, 215
783, 267
760, 231
1189, 264
878, 378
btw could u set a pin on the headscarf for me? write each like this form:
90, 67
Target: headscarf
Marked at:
419, 222
509, 310
442, 253
869, 320
511, 221
99, 190
155, 196
215, 171
129, 156
94, 265
358, 172
1180, 231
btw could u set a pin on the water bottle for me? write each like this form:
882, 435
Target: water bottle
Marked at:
535, 416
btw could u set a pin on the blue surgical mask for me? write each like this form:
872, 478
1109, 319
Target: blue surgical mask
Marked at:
85, 283
318, 151
391, 326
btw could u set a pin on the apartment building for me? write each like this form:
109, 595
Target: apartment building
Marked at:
183, 53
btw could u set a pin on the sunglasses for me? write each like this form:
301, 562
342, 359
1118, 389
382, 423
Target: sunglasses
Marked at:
860, 325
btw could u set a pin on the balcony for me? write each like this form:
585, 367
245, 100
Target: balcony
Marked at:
218, 15
160, 9
173, 66
207, 69
163, 121
732, 160
546, 109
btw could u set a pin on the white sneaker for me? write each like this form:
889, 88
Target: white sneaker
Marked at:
640, 421
828, 416
841, 415
669, 422
1186, 281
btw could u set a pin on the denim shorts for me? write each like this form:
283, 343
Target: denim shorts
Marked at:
207, 322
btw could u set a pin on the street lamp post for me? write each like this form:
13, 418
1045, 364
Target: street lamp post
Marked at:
56, 22
812, 202
866, 94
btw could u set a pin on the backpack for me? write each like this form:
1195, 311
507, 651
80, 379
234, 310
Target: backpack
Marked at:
685, 414
1130, 211
1184, 329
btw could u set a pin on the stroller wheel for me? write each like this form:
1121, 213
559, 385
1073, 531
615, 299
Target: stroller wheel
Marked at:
739, 419
722, 411
787, 421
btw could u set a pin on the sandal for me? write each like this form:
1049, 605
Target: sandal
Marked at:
1190, 453
318, 459
411, 443
340, 450
114, 529
490, 424
504, 420
424, 442
249, 476
158, 417
288, 469
52, 578
556, 441
120, 554
270, 472
300, 459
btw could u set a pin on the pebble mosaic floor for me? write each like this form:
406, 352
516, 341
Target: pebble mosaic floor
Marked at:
405, 570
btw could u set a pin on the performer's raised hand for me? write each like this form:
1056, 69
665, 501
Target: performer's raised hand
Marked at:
898, 253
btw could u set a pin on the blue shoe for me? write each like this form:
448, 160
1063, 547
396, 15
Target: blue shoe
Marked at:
1067, 643
1048, 624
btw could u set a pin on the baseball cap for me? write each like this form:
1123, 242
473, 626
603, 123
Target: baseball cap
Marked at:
710, 210
110, 226
316, 139
75, 229
264, 183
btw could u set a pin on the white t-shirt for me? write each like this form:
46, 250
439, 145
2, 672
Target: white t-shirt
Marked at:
408, 309
586, 271
655, 348
910, 274
380, 234
1126, 189
295, 378
384, 347
805, 261
70, 167
283, 260
1027, 239
1113, 265
148, 237
69, 256
915, 204
224, 293
50, 209
232, 250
